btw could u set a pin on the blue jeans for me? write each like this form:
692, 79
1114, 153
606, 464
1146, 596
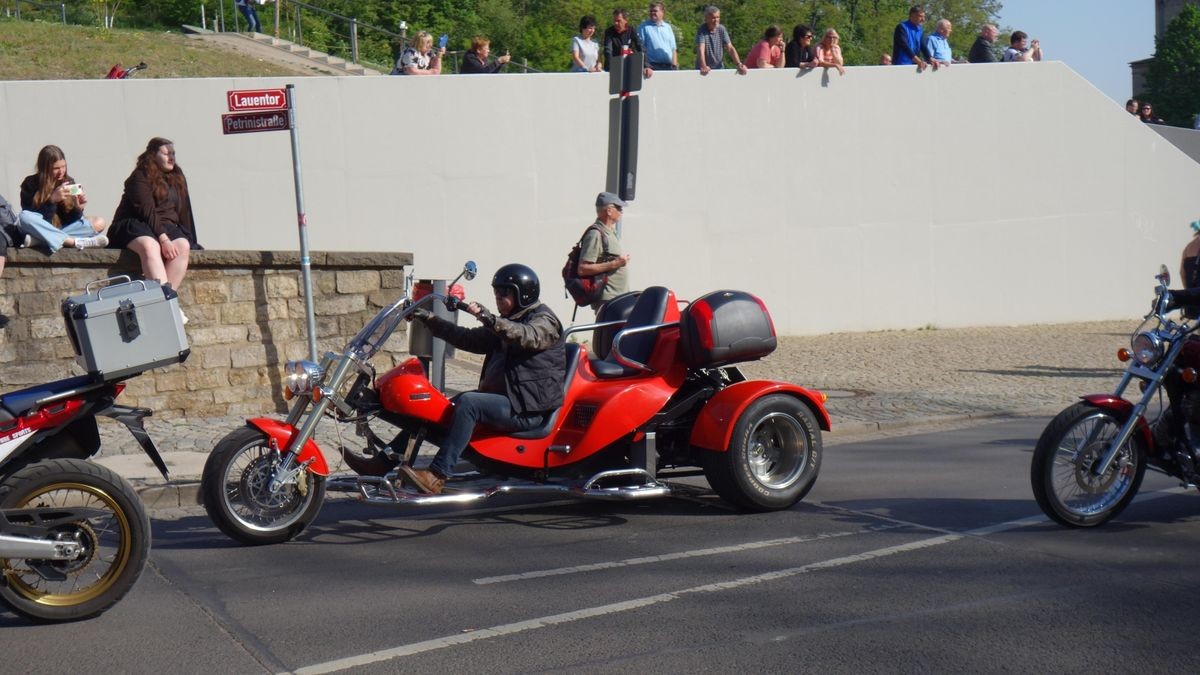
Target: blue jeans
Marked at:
252, 23
471, 408
33, 224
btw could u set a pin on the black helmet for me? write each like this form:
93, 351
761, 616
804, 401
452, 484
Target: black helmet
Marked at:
521, 279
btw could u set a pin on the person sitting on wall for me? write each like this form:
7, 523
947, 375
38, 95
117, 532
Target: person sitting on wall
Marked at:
154, 218
418, 58
477, 61
52, 206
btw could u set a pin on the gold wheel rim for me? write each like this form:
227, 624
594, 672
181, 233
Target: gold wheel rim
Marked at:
92, 497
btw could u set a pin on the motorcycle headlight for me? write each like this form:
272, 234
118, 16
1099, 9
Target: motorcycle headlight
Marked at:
302, 376
1147, 348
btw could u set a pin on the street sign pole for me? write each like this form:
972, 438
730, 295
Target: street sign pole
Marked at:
302, 223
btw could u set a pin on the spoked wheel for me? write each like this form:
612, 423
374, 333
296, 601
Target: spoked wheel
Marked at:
114, 541
237, 494
773, 457
1063, 476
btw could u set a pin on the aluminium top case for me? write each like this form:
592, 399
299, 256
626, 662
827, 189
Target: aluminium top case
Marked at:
122, 329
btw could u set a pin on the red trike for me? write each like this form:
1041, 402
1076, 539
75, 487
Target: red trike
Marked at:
655, 398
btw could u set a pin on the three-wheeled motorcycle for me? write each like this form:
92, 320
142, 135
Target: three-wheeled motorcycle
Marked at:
657, 396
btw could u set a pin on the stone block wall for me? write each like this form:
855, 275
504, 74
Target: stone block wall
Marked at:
246, 318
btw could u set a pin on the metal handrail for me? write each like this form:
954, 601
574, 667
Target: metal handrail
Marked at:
62, 8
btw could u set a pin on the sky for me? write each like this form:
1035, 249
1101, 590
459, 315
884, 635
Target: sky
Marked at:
1096, 38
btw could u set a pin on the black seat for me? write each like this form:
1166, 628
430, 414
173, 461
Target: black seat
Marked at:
649, 310
19, 402
547, 426
617, 309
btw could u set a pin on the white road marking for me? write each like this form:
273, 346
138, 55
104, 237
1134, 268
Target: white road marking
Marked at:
697, 553
651, 600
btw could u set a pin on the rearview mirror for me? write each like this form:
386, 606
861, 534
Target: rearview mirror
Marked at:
471, 269
1164, 275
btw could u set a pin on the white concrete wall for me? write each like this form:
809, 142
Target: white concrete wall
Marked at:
976, 195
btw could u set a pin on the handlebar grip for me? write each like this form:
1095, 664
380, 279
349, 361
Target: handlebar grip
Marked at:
452, 303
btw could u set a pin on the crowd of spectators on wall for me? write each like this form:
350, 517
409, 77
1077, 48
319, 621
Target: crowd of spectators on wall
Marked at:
657, 40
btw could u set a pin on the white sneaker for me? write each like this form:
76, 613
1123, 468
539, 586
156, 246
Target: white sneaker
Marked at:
98, 241
185, 319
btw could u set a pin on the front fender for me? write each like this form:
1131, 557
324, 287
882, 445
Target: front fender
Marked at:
1122, 409
283, 435
714, 425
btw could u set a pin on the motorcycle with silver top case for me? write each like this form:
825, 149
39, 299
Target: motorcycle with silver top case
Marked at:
1090, 460
659, 397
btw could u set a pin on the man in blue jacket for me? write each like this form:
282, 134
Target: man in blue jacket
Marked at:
906, 40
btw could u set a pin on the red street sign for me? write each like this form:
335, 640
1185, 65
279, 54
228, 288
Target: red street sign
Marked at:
248, 123
246, 100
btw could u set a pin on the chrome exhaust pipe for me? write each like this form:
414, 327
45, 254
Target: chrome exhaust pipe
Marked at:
382, 491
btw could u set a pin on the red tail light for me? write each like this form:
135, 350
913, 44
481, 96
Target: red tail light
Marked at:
120, 387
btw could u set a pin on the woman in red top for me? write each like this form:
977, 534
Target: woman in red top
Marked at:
154, 218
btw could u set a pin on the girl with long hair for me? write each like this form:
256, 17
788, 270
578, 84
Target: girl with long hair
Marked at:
154, 218
52, 206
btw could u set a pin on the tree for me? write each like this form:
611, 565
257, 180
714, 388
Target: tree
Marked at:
1174, 77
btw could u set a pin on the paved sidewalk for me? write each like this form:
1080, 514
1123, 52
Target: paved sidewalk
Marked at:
878, 383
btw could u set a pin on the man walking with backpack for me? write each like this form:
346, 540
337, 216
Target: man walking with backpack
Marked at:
600, 249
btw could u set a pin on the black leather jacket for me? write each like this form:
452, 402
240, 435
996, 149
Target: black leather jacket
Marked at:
530, 345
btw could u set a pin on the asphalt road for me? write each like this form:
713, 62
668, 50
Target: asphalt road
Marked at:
922, 554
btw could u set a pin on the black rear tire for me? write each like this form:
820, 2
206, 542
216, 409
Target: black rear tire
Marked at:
773, 458
116, 544
1063, 484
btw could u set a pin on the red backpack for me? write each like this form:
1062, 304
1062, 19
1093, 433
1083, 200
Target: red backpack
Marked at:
584, 290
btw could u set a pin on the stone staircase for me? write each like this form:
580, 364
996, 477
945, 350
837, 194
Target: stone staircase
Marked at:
284, 51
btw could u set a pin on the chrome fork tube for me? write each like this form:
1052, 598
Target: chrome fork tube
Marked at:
1154, 379
287, 467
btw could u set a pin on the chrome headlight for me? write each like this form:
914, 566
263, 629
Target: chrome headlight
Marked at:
302, 376
1147, 348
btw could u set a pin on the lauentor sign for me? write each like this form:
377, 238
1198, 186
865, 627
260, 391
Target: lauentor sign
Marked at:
247, 100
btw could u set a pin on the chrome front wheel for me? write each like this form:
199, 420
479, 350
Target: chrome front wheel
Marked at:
1063, 474
236, 488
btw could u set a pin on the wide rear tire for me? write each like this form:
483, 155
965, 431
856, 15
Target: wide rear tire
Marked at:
235, 491
1063, 484
774, 456
116, 542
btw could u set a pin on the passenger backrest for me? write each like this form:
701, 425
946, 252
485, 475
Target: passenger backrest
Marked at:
649, 310
617, 309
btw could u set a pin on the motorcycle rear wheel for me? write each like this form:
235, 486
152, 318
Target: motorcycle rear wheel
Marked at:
115, 545
1065, 487
773, 458
234, 488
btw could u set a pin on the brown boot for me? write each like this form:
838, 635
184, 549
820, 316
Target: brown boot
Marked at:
425, 480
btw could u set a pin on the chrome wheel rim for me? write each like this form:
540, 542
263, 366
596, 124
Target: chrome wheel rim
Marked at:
778, 451
1072, 481
247, 494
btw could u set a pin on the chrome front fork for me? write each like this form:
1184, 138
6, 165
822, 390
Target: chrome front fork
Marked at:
288, 469
1154, 380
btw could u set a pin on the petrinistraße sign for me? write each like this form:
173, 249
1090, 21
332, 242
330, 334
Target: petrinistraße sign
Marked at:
248, 123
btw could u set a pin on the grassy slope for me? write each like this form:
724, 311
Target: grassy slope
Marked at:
46, 51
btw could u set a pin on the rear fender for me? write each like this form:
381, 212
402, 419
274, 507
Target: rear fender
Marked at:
283, 435
1122, 409
714, 425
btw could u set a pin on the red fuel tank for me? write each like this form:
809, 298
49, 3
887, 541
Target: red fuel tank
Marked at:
406, 391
